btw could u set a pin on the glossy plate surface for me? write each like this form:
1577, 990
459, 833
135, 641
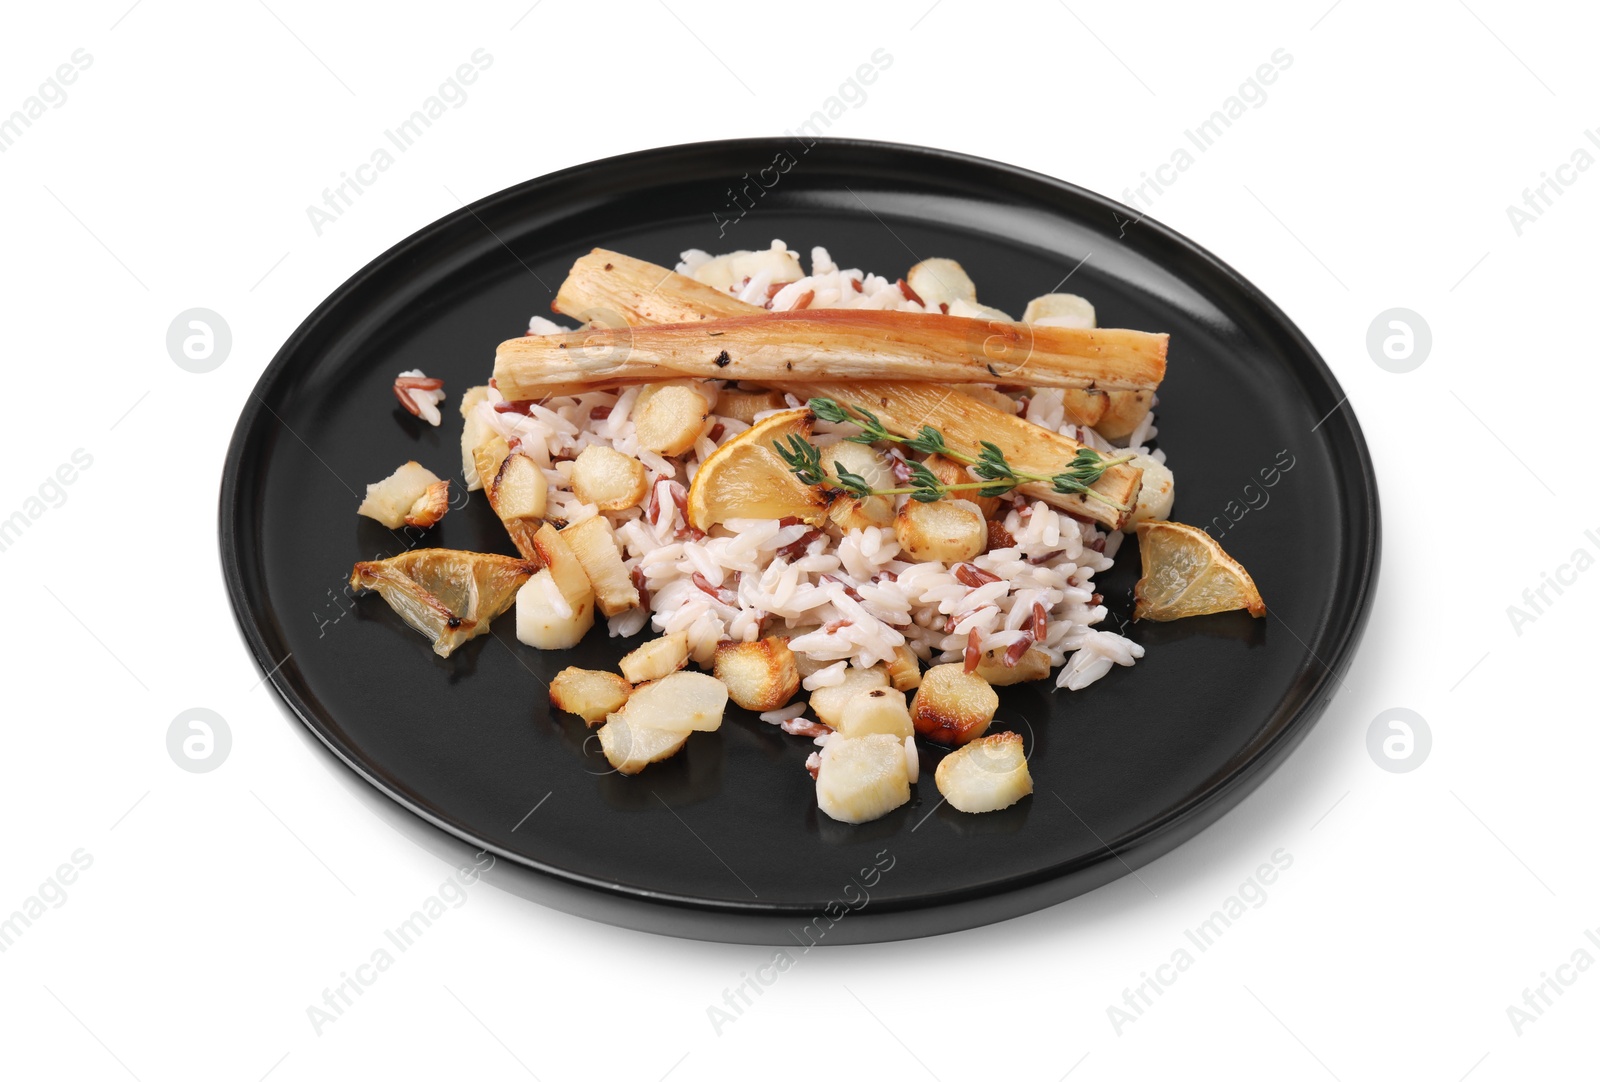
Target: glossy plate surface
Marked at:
724, 841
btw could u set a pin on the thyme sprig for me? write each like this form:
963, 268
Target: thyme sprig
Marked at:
803, 459
997, 476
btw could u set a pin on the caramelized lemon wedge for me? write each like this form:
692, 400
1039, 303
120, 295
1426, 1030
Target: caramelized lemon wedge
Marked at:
447, 595
1186, 573
745, 478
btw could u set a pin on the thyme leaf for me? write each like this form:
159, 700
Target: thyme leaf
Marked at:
997, 477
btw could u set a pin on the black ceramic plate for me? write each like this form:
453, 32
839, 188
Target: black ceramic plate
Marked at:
725, 841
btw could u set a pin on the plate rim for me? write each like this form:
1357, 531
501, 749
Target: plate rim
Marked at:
1133, 850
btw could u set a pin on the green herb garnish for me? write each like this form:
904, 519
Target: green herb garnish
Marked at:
998, 476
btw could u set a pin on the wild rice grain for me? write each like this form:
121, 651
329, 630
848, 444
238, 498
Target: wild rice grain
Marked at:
973, 653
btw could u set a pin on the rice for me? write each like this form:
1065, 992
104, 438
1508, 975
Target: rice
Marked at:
844, 601
783, 714
424, 400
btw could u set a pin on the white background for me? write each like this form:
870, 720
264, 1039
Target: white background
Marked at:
1377, 173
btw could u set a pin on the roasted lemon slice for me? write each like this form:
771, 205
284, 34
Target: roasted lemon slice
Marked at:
447, 595
1186, 573
744, 478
